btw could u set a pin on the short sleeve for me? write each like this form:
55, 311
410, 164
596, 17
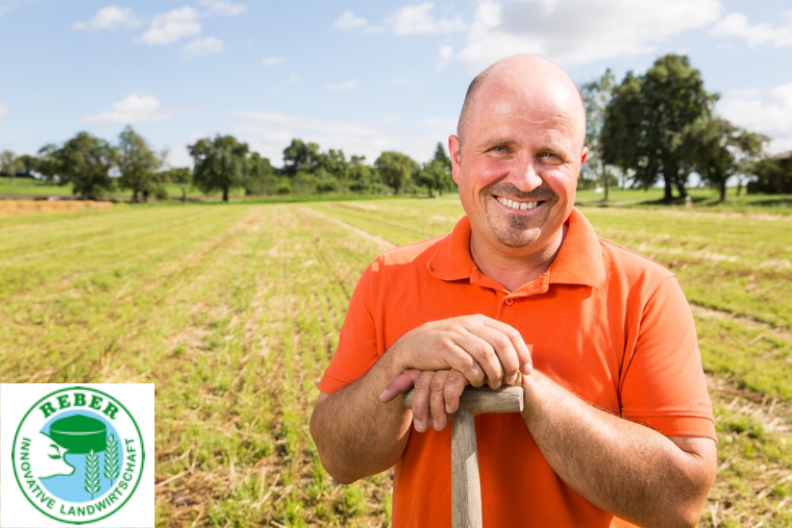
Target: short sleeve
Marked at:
663, 386
357, 344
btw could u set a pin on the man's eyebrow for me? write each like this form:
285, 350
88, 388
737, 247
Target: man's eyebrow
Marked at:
496, 141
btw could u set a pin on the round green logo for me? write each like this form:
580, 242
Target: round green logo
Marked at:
78, 455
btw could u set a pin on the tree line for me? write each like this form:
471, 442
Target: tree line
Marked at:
661, 127
95, 168
656, 128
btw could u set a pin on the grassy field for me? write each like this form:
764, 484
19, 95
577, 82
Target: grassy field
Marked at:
234, 311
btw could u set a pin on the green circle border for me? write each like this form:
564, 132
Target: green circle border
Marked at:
142, 451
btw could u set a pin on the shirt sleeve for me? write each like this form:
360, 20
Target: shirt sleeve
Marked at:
663, 385
357, 349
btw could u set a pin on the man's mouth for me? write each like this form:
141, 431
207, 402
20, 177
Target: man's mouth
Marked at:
518, 206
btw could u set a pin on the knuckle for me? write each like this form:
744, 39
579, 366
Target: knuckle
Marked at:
422, 383
437, 384
486, 352
502, 341
466, 363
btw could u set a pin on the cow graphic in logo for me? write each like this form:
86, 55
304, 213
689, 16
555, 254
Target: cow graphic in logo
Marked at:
78, 455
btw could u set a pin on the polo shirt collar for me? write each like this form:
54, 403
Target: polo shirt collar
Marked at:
578, 262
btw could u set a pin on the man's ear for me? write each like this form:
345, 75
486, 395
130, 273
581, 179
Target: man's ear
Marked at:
455, 154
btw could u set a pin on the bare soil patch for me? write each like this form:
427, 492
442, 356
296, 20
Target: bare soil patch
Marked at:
17, 207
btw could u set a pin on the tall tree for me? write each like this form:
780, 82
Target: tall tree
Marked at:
300, 157
441, 156
9, 165
395, 169
219, 164
646, 117
85, 161
596, 95
258, 174
435, 177
138, 165
50, 164
719, 150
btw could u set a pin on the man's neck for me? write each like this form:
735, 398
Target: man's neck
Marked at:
514, 270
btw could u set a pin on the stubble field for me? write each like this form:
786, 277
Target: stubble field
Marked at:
233, 311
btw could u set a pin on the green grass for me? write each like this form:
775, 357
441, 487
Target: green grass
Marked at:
234, 312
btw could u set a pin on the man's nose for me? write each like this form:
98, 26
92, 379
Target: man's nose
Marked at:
525, 174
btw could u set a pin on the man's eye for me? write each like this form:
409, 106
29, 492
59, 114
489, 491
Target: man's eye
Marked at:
498, 149
550, 157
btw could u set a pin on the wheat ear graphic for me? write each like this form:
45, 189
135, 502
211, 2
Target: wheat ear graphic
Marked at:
92, 485
111, 460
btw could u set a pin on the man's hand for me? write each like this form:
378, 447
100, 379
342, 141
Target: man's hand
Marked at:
480, 348
488, 348
436, 395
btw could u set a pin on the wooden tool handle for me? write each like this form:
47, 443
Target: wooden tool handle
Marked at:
507, 399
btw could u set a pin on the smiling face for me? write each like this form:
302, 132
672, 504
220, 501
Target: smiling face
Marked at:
518, 158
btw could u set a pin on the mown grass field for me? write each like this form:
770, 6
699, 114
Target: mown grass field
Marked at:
233, 312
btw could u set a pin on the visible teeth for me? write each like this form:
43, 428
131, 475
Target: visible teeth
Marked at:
522, 206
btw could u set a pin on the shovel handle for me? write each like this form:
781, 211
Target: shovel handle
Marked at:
506, 399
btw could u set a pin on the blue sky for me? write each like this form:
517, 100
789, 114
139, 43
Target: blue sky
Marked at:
361, 76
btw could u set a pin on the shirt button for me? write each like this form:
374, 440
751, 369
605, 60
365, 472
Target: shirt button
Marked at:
509, 302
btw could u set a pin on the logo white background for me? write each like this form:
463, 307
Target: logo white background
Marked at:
17, 399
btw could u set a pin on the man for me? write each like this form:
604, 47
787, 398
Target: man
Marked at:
617, 422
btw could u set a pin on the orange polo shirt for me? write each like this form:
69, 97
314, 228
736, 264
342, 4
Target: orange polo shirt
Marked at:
610, 325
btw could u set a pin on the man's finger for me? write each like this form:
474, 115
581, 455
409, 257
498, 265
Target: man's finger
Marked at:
483, 353
522, 350
399, 385
420, 406
437, 399
454, 386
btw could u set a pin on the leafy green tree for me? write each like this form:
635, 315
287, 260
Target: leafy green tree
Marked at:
301, 157
395, 169
597, 94
259, 175
219, 164
138, 165
28, 164
360, 175
336, 164
441, 156
434, 176
9, 165
718, 150
646, 117
182, 176
85, 162
49, 163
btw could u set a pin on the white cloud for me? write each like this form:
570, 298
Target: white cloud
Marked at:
351, 84
3, 111
348, 20
737, 25
111, 17
557, 29
201, 47
446, 53
5, 8
172, 26
222, 7
269, 132
765, 111
134, 109
293, 78
418, 20
272, 61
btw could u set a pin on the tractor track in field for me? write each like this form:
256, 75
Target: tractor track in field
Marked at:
777, 331
383, 243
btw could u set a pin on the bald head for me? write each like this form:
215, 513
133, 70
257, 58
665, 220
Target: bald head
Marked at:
531, 77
